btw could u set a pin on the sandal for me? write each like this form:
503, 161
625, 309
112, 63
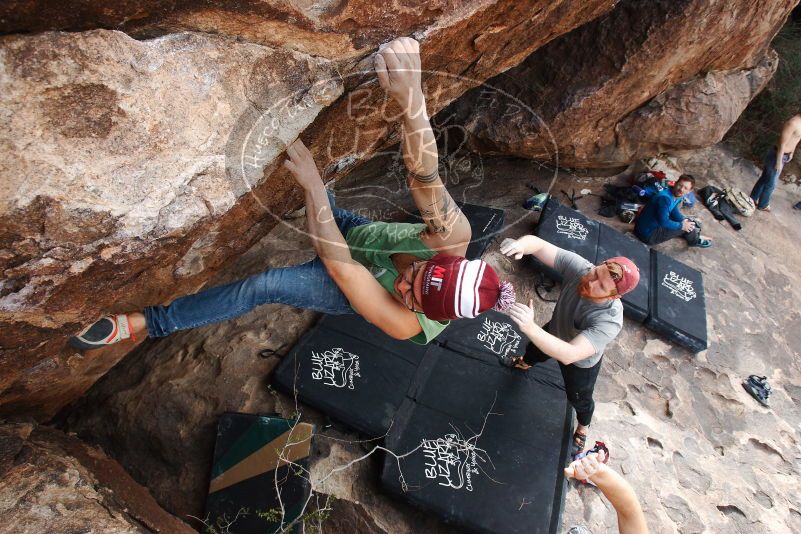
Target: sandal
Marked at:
514, 362
759, 388
106, 331
579, 442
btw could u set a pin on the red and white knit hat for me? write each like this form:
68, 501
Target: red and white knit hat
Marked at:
455, 288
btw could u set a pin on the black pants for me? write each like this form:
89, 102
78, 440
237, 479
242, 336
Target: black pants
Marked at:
579, 382
660, 235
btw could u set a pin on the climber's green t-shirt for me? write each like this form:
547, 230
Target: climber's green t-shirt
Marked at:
372, 245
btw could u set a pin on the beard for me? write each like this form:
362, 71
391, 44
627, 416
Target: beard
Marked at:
583, 290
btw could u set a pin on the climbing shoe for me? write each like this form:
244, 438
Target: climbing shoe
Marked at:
106, 331
759, 388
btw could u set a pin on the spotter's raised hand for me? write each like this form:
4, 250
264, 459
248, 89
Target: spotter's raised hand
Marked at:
513, 247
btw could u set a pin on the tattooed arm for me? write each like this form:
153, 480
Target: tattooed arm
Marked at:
398, 69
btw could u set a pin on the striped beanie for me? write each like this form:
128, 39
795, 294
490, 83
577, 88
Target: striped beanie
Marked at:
455, 288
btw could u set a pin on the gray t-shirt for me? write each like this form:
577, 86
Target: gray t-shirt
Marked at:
573, 315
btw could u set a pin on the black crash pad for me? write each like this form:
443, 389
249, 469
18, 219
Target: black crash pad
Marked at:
568, 229
487, 337
244, 477
351, 371
678, 308
485, 223
611, 243
481, 471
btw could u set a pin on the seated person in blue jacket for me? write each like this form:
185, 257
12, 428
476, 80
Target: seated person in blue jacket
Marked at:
661, 218
406, 279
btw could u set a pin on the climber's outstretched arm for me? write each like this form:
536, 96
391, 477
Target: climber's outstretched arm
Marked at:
399, 73
362, 290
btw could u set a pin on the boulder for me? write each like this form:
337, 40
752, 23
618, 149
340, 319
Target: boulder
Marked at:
692, 114
52, 482
133, 170
114, 188
648, 77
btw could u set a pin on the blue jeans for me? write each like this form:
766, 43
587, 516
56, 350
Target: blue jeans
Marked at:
767, 181
305, 286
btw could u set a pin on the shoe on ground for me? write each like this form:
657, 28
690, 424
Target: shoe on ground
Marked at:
766, 208
703, 243
759, 388
106, 331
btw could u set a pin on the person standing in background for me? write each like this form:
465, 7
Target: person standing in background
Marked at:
775, 160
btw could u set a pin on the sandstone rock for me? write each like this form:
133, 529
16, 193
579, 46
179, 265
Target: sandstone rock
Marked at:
114, 171
348, 516
648, 77
692, 114
132, 171
326, 29
52, 482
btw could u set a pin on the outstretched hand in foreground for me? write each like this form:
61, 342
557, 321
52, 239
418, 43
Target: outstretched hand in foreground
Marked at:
630, 519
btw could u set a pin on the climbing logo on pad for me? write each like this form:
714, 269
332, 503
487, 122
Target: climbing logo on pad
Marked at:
571, 227
498, 337
452, 460
679, 286
335, 367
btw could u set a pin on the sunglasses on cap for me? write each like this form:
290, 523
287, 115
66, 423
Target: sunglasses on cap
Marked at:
615, 271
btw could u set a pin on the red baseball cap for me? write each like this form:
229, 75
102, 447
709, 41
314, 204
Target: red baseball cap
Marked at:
630, 274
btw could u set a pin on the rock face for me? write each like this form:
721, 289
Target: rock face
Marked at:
114, 184
133, 170
52, 482
648, 77
328, 29
692, 114
699, 451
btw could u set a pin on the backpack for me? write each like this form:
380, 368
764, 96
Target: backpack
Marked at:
742, 203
